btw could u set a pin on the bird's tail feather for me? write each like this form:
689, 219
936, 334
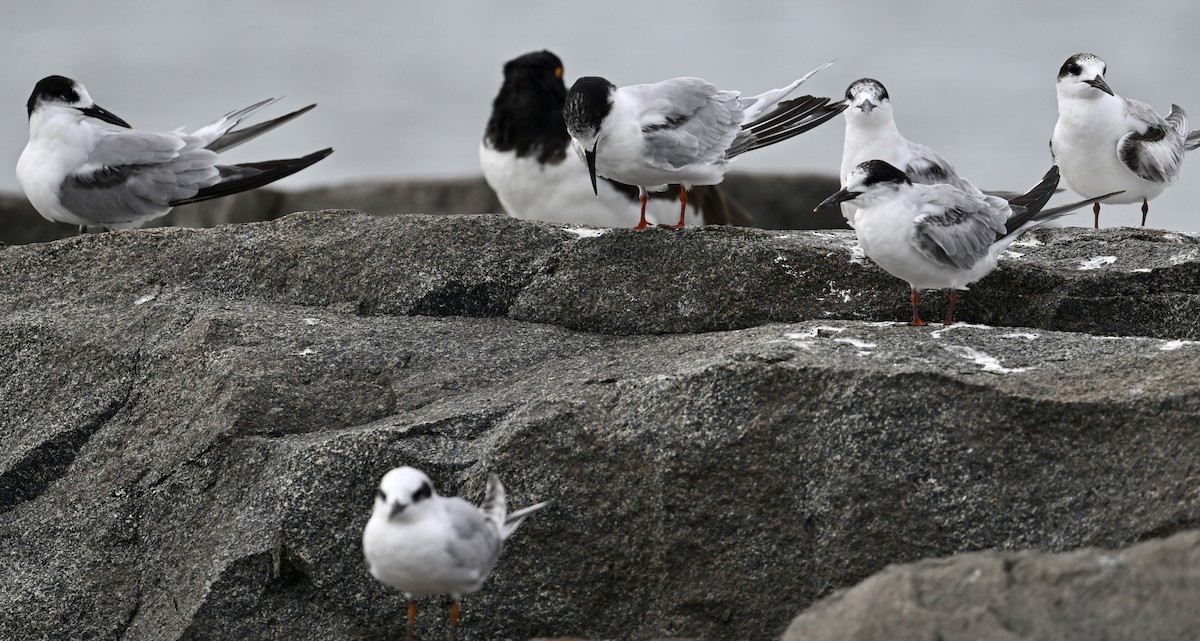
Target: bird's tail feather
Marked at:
791, 118
236, 178
235, 137
515, 519
1031, 205
495, 505
764, 101
214, 130
1026, 206
1192, 141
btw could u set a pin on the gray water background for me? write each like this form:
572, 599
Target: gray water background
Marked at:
405, 88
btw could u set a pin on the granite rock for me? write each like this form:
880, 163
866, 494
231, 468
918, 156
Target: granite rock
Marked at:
194, 422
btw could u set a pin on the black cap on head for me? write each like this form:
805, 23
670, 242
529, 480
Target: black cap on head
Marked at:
55, 88
879, 172
1074, 65
880, 90
588, 103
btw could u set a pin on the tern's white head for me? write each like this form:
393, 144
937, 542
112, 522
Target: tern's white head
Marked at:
58, 93
1082, 76
589, 102
868, 102
869, 183
403, 495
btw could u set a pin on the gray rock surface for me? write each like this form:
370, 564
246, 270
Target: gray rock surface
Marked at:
1142, 593
1128, 282
194, 421
778, 202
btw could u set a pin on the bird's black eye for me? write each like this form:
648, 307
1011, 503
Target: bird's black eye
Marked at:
379, 494
1074, 69
424, 492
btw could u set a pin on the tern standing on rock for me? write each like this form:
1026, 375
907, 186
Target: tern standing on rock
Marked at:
939, 236
682, 131
424, 544
527, 160
1104, 143
871, 134
85, 166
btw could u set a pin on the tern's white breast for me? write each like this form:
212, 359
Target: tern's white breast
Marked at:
413, 557
59, 144
1085, 149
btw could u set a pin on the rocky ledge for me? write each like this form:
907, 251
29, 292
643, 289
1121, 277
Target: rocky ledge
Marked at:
194, 421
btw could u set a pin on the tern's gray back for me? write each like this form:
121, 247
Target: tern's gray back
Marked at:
962, 230
687, 121
930, 168
137, 176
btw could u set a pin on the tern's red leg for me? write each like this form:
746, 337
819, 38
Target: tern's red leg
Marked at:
916, 300
953, 302
1145, 210
412, 620
1096, 211
453, 620
682, 208
642, 224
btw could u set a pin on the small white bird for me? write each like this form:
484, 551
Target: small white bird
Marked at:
85, 166
939, 236
424, 544
525, 160
1103, 142
682, 131
871, 134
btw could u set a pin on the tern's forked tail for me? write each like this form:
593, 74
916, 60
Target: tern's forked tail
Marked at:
495, 508
251, 175
1028, 208
515, 519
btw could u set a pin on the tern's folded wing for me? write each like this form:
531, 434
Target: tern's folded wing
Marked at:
1154, 149
136, 176
475, 541
687, 121
958, 229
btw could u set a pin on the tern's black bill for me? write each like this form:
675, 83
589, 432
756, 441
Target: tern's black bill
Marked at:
590, 156
100, 113
1098, 82
397, 509
841, 196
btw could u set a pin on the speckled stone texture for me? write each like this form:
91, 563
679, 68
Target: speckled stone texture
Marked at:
193, 422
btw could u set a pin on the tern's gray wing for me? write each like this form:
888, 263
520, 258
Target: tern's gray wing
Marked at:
1154, 149
930, 168
957, 229
134, 175
687, 121
475, 544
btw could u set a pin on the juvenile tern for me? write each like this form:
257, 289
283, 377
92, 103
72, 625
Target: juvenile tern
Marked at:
85, 166
871, 134
424, 544
524, 157
1104, 142
939, 236
681, 131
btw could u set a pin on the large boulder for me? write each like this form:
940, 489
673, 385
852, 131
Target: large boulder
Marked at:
194, 421
1148, 591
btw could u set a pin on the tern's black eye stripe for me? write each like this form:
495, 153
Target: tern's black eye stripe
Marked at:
381, 495
424, 492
